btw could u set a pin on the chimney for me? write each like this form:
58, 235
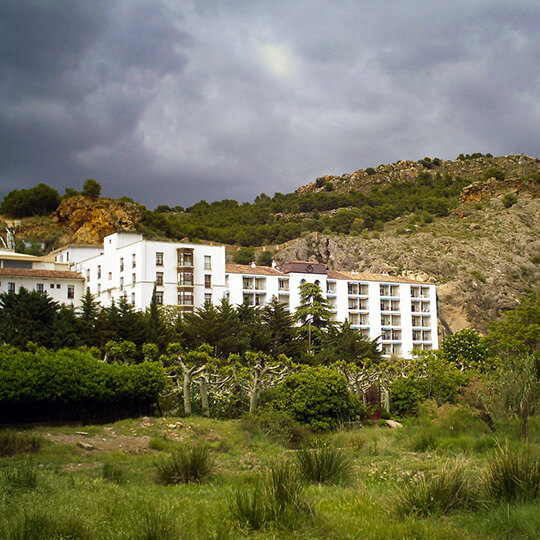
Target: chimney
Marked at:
274, 264
253, 265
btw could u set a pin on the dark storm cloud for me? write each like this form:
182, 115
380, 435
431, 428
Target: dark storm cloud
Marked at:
174, 101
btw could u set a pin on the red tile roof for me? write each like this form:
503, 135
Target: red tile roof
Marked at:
364, 276
34, 272
248, 269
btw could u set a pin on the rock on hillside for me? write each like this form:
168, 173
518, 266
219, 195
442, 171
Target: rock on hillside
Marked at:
514, 166
88, 220
483, 257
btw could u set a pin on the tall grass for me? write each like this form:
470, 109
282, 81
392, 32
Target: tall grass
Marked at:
325, 465
440, 492
156, 523
113, 473
13, 443
186, 464
37, 525
22, 475
513, 476
276, 499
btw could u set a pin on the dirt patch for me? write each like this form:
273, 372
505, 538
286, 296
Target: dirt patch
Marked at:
106, 441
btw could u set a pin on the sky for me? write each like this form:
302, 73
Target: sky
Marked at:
173, 101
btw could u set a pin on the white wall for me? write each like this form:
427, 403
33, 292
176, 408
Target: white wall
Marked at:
56, 288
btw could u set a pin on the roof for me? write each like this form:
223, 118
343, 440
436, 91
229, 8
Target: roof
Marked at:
68, 246
12, 255
27, 272
365, 276
255, 270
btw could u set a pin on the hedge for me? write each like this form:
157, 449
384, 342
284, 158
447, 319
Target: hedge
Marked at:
73, 385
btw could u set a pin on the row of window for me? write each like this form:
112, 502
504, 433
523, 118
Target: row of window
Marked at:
40, 288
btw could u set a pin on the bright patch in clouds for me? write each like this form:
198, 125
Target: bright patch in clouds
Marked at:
278, 59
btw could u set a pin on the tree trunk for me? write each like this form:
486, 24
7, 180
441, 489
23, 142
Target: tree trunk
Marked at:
254, 395
203, 385
187, 392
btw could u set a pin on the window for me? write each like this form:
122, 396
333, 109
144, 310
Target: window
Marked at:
52, 285
99, 288
99, 271
159, 279
185, 259
88, 276
121, 283
109, 276
11, 286
121, 264
207, 281
133, 261
39, 287
159, 298
133, 279
185, 278
208, 297
159, 258
185, 299
132, 298
207, 262
71, 292
226, 280
58, 285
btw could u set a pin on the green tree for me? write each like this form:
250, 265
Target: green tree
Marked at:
91, 321
279, 326
39, 200
465, 349
91, 188
265, 258
313, 313
158, 330
245, 255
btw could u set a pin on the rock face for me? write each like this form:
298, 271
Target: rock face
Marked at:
88, 220
487, 189
483, 258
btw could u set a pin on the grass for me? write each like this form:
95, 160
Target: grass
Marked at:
185, 464
447, 489
513, 476
13, 443
326, 465
256, 490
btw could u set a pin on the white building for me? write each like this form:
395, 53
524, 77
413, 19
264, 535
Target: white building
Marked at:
401, 312
40, 274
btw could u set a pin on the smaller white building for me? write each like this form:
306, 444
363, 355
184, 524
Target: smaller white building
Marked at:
42, 275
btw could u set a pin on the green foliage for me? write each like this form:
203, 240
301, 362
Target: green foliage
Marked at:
317, 397
494, 173
19, 476
513, 476
509, 199
13, 443
37, 524
91, 188
445, 490
324, 465
113, 473
245, 255
465, 349
278, 426
313, 313
370, 171
265, 258
72, 383
186, 464
39, 200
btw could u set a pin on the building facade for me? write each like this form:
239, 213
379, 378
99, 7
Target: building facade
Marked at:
400, 312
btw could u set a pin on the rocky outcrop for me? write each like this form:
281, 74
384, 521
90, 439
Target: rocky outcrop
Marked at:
87, 220
487, 189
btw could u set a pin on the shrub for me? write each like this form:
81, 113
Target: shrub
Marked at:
370, 171
439, 492
185, 465
465, 347
13, 443
494, 173
513, 476
423, 440
316, 396
509, 199
325, 465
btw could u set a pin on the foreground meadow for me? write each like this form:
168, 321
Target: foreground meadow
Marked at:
436, 478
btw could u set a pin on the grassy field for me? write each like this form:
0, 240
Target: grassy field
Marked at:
436, 478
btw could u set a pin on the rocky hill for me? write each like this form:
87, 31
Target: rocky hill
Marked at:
483, 256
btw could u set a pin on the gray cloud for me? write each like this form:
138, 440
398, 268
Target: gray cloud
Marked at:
174, 101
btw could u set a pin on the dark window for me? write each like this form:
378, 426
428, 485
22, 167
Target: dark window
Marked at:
159, 258
11, 286
159, 279
208, 281
71, 292
159, 298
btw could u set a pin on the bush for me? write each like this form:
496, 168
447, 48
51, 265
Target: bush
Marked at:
316, 396
245, 255
439, 492
509, 199
326, 465
423, 440
370, 171
73, 385
513, 476
13, 443
494, 173
39, 200
187, 464
277, 425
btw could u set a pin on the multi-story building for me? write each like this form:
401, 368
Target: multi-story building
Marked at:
401, 312
40, 274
